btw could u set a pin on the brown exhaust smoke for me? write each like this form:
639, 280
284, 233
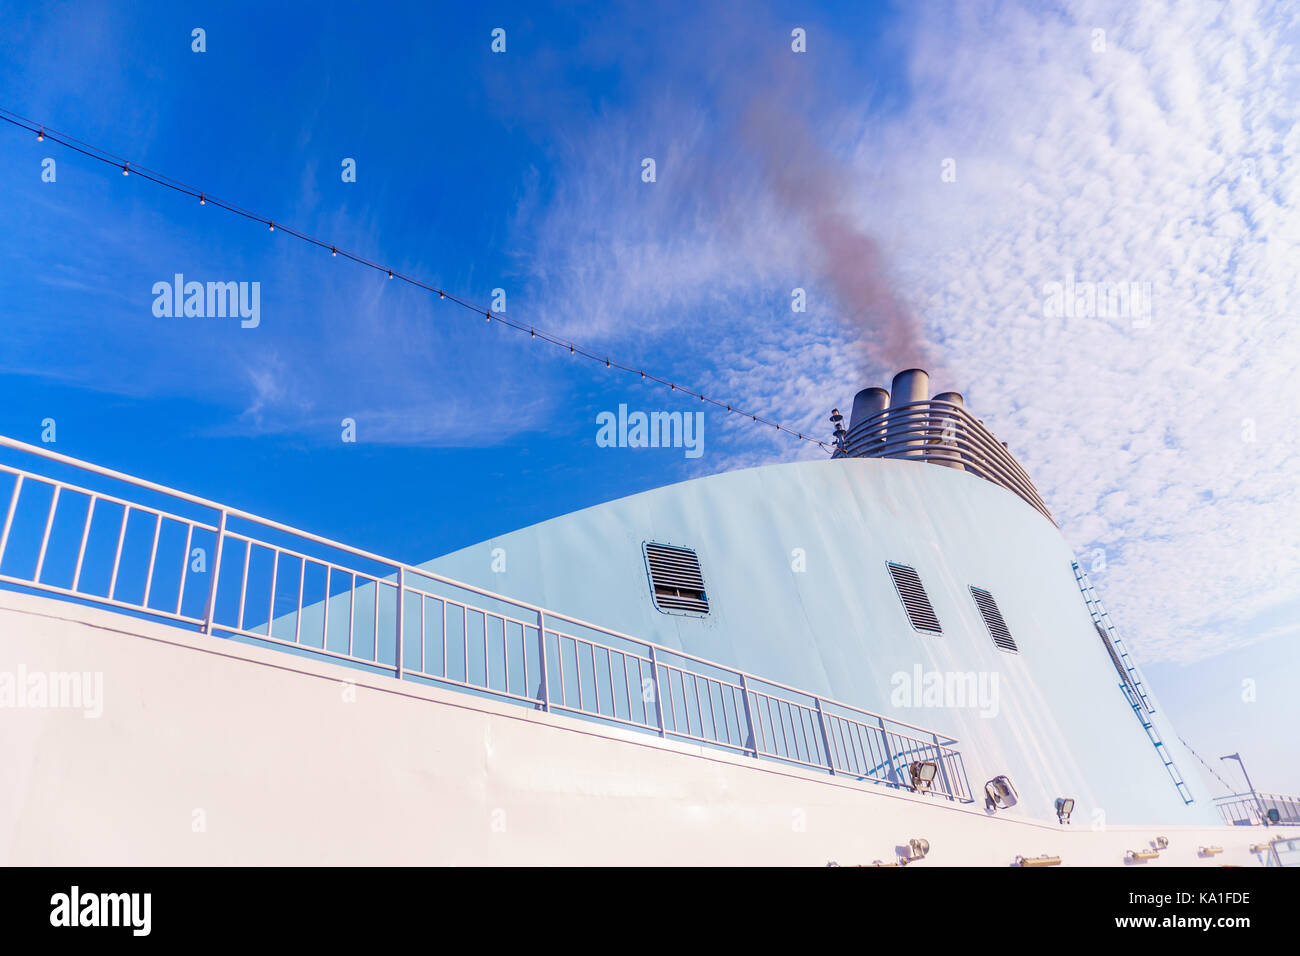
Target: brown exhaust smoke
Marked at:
806, 181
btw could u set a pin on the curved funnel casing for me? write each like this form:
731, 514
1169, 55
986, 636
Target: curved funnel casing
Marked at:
946, 424
866, 404
912, 385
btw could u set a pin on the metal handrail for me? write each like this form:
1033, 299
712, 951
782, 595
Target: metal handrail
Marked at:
942, 433
1252, 806
470, 638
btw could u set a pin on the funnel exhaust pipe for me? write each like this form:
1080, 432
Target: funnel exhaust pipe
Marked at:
946, 424
866, 404
909, 386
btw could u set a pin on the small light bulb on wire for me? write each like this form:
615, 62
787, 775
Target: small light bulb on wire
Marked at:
532, 332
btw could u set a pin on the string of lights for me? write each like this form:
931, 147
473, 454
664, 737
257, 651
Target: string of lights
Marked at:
205, 198
1226, 786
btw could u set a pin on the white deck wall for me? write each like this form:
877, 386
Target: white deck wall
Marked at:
213, 752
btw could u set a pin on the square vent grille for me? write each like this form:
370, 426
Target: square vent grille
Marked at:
676, 581
993, 620
915, 601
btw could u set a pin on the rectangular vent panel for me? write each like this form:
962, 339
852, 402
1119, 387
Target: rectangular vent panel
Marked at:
676, 581
993, 620
915, 601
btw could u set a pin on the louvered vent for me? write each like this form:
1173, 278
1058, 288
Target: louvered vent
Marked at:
915, 601
993, 620
676, 581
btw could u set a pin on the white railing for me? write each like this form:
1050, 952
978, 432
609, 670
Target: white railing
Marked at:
946, 434
109, 539
1251, 809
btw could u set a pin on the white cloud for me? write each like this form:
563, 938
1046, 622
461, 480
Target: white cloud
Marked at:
1161, 161
1166, 159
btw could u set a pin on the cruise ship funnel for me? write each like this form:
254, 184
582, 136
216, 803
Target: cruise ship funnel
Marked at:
869, 402
946, 424
909, 386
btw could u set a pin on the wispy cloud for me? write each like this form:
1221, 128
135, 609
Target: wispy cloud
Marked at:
335, 340
1155, 152
1107, 142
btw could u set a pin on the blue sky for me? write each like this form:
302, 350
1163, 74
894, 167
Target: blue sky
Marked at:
1156, 158
456, 148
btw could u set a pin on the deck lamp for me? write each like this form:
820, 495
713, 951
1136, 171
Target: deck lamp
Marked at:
1000, 793
923, 772
1064, 807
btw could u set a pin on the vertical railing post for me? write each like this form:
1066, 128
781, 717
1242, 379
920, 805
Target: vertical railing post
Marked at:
544, 691
889, 756
45, 541
654, 690
943, 767
749, 714
210, 612
826, 740
9, 515
401, 614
